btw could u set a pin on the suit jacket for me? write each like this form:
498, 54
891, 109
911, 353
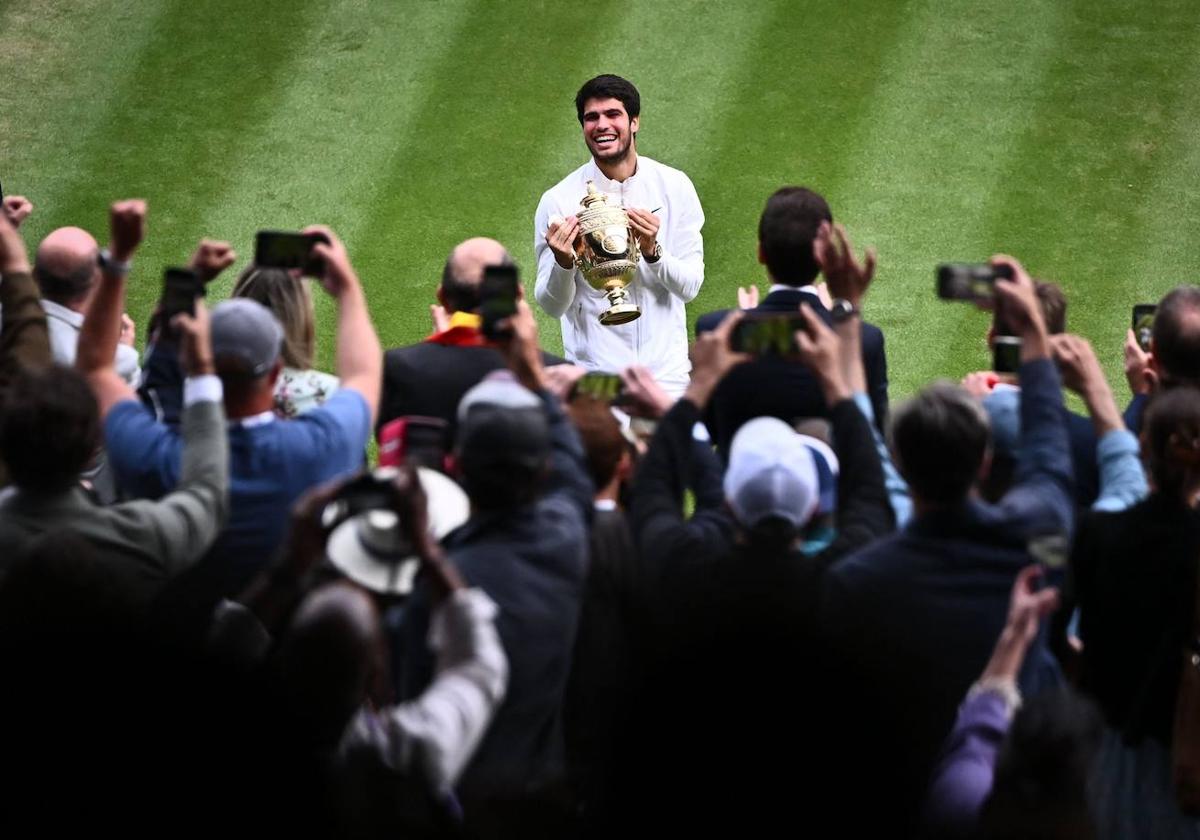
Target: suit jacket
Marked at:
773, 387
429, 379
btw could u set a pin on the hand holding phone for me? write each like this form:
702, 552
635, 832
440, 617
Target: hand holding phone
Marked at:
181, 287
288, 249
972, 282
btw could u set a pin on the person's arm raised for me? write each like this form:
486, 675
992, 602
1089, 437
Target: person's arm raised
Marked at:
359, 354
101, 330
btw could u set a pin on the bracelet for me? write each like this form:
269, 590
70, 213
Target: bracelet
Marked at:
1003, 687
111, 267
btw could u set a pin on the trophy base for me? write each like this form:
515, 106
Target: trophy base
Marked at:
621, 313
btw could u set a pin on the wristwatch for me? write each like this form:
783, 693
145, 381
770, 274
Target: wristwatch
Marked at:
843, 310
656, 254
111, 267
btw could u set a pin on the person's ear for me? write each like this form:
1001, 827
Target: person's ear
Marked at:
624, 467
634, 124
277, 369
985, 466
762, 257
441, 297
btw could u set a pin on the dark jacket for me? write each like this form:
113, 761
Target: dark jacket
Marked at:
734, 632
1133, 577
773, 387
532, 562
428, 379
913, 619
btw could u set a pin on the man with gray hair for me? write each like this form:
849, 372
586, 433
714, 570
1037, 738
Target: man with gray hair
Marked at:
272, 461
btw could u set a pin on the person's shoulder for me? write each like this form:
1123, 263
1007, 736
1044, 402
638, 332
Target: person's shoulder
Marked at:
669, 174
881, 558
709, 321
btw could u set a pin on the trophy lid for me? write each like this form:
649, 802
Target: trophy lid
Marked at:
593, 196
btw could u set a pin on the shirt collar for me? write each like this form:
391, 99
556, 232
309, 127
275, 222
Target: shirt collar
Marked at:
607, 185
605, 504
62, 313
780, 287
254, 420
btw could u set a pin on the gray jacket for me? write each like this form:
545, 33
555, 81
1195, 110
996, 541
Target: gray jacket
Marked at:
147, 541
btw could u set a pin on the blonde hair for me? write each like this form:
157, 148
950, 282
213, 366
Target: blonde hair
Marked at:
288, 297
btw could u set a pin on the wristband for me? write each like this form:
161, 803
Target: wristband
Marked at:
111, 267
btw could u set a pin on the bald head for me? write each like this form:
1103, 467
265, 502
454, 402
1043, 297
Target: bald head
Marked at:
65, 266
464, 272
329, 654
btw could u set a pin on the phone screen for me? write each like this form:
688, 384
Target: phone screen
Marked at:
288, 249
770, 335
1143, 324
600, 386
970, 281
497, 297
1006, 354
181, 287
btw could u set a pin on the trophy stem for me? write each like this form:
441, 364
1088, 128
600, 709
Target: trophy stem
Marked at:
620, 310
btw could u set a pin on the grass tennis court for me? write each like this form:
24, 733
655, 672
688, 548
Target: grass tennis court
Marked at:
1064, 133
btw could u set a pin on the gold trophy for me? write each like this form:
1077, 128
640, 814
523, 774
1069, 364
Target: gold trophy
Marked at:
606, 252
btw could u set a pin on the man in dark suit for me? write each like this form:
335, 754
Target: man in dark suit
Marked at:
429, 378
772, 386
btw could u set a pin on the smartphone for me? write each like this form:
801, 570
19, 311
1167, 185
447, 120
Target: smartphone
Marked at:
767, 335
1006, 354
287, 249
497, 298
970, 281
1143, 323
181, 287
600, 386
422, 441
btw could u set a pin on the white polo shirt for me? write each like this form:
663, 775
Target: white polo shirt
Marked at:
658, 339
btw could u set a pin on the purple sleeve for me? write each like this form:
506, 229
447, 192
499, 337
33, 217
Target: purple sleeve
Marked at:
962, 779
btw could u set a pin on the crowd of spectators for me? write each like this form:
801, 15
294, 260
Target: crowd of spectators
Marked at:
776, 603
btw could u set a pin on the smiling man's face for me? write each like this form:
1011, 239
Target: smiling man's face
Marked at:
607, 129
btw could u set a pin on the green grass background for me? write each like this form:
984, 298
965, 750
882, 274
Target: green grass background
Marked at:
1064, 133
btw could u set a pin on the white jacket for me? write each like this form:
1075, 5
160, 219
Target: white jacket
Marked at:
658, 339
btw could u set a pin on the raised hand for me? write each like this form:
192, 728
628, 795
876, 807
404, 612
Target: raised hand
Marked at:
846, 277
211, 258
560, 236
13, 259
1018, 305
127, 222
519, 343
712, 358
820, 350
17, 209
195, 341
644, 397
1139, 373
1027, 606
338, 273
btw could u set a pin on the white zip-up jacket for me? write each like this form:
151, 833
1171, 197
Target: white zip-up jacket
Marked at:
658, 339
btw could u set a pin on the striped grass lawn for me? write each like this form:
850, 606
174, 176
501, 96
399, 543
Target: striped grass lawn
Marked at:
1064, 133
